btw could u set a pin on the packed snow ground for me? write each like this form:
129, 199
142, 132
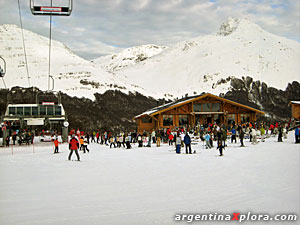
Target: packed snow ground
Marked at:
146, 185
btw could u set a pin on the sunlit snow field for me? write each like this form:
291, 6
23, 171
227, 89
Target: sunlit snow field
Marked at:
146, 185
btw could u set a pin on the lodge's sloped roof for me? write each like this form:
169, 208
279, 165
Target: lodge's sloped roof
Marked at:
182, 101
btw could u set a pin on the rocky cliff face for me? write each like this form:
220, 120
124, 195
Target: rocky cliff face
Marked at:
257, 94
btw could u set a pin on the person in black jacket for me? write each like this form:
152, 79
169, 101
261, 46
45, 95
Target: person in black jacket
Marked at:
241, 136
187, 142
280, 134
220, 147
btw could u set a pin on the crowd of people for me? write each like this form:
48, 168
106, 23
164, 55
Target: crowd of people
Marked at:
178, 137
181, 137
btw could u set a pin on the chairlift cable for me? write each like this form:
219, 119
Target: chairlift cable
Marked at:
24, 43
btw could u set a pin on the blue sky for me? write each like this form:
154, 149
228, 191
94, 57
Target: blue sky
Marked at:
98, 27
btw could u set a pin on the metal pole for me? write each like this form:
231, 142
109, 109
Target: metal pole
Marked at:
50, 37
49, 68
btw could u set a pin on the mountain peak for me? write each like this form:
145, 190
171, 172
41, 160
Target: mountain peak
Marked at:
235, 24
228, 26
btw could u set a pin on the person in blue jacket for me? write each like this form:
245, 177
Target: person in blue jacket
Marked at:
187, 142
233, 134
297, 135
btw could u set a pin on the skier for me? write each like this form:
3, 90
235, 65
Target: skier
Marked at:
14, 137
98, 136
149, 140
207, 139
220, 147
7, 140
73, 146
187, 142
153, 136
145, 139
112, 141
178, 144
182, 138
224, 136
140, 140
158, 138
262, 133
81, 141
242, 134
280, 134
85, 145
233, 135
297, 135
254, 136
171, 138
127, 141
56, 145
284, 132
93, 136
122, 140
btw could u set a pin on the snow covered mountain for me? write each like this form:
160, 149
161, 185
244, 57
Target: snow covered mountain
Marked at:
72, 74
207, 63
128, 57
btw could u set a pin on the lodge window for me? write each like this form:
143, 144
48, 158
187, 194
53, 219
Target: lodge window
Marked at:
42, 110
12, 111
58, 110
27, 111
206, 107
230, 119
34, 111
197, 107
215, 107
167, 120
183, 120
20, 111
146, 120
245, 118
50, 110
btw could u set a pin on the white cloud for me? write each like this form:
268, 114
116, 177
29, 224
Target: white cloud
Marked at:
125, 23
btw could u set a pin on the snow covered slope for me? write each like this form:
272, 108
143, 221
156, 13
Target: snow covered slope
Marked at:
241, 48
73, 75
128, 57
148, 186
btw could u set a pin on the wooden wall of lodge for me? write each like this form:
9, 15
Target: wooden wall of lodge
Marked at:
187, 109
296, 111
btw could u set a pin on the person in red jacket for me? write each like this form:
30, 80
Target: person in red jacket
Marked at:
73, 146
56, 146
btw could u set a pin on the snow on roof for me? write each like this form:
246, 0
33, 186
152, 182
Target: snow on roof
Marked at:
167, 105
295, 102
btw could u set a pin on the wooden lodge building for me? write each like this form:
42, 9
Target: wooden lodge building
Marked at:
295, 109
191, 111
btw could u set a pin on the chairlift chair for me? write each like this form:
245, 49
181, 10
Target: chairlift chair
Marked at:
50, 10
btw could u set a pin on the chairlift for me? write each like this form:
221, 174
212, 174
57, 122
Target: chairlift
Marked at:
2, 69
51, 10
